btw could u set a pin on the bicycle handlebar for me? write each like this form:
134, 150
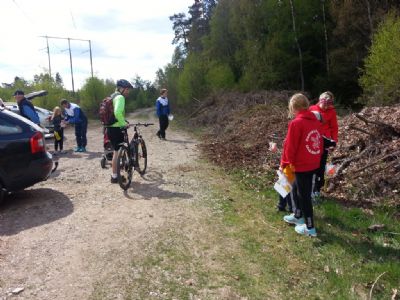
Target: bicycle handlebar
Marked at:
139, 124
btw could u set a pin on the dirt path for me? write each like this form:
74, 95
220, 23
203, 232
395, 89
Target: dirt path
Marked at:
62, 238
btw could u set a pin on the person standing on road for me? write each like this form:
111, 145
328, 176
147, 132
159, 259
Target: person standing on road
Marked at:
329, 131
74, 115
26, 108
115, 131
162, 107
57, 121
302, 152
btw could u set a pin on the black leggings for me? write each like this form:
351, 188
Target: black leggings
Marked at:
163, 126
320, 178
59, 142
302, 189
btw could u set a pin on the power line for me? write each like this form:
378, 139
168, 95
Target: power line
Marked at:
70, 54
73, 20
23, 12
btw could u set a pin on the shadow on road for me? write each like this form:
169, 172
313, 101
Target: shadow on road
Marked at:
151, 188
179, 141
31, 208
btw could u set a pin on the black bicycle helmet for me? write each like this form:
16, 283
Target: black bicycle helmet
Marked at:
124, 84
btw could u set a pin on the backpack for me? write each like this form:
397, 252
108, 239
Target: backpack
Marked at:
106, 111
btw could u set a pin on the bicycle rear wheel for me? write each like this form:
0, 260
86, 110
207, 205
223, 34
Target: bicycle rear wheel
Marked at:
124, 168
141, 157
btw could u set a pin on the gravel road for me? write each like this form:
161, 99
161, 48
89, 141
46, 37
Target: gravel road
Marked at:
58, 238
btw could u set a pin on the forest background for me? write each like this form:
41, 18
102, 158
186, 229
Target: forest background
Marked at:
349, 47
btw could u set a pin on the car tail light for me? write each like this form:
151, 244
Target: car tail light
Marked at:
37, 143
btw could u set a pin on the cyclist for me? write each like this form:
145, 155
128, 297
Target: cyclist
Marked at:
114, 132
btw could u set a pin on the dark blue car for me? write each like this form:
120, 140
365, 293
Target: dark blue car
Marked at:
24, 160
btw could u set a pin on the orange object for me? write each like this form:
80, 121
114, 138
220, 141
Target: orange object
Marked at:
289, 173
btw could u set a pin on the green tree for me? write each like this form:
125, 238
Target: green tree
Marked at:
92, 93
181, 27
59, 79
220, 77
192, 82
381, 77
55, 91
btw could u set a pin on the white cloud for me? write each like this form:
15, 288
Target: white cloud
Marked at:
128, 37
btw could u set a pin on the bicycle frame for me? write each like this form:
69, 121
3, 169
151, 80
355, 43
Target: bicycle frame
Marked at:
132, 145
131, 154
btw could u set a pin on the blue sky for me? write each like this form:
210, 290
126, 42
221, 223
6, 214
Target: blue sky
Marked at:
128, 38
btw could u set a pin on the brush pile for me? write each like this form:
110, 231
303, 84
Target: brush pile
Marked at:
367, 158
241, 126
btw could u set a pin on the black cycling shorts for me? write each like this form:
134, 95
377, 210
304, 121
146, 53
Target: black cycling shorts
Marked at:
115, 136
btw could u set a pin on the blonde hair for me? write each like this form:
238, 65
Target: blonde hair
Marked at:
56, 112
296, 103
328, 96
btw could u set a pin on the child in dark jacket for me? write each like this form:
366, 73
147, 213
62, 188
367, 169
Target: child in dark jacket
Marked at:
162, 108
57, 121
302, 152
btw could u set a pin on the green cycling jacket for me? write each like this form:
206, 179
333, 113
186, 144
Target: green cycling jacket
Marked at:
119, 111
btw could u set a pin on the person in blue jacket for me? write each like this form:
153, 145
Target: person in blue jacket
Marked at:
74, 115
162, 107
26, 108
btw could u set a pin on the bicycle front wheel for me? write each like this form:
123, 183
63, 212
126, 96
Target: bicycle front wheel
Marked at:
141, 157
124, 168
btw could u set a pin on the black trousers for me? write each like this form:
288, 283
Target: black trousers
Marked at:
287, 201
164, 122
320, 178
302, 189
59, 142
80, 133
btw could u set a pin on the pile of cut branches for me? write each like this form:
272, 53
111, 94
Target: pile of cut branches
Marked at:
368, 157
241, 126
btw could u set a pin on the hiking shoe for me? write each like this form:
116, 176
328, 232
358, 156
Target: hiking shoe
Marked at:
83, 149
303, 230
114, 180
291, 219
77, 149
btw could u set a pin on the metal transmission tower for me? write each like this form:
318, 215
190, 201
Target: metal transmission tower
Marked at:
70, 54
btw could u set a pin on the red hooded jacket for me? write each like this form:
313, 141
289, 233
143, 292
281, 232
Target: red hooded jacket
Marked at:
303, 145
329, 121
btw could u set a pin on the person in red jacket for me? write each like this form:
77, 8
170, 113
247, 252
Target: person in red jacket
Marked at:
302, 152
330, 132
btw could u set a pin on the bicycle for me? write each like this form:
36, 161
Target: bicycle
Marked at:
132, 156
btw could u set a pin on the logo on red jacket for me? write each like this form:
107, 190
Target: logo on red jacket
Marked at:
313, 142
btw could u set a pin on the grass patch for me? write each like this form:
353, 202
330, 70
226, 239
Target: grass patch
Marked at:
234, 245
342, 263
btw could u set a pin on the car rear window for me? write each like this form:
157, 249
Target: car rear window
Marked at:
8, 128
